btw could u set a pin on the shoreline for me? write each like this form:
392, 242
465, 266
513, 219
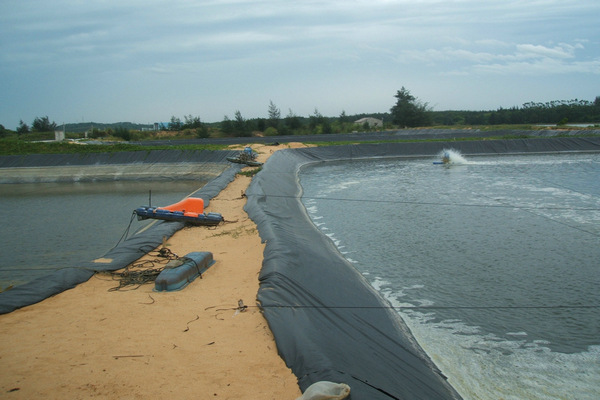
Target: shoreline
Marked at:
92, 342
303, 267
108, 173
164, 324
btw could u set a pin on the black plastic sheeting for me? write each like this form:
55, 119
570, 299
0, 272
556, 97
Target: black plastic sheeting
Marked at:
127, 251
328, 323
122, 157
133, 165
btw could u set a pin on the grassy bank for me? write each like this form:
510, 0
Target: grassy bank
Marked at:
20, 147
15, 146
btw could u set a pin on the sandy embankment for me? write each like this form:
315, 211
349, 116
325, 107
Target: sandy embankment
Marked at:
139, 344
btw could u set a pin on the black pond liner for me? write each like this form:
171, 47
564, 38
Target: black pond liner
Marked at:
329, 323
127, 251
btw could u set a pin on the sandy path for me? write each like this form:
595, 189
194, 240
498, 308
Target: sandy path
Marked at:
139, 344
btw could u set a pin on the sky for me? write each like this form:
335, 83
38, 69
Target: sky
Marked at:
144, 61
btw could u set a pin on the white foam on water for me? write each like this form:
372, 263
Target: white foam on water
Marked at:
505, 365
516, 333
454, 155
339, 186
486, 367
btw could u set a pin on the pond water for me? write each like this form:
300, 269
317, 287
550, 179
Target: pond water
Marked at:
47, 226
491, 261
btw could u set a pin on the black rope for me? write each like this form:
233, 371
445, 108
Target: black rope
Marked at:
186, 259
391, 396
126, 233
531, 210
424, 203
142, 272
383, 307
555, 307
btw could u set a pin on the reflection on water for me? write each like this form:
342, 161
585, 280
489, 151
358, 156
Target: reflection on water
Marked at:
54, 225
492, 263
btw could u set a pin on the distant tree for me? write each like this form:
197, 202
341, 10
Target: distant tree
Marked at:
409, 111
43, 125
261, 124
122, 132
319, 124
202, 132
227, 126
22, 128
191, 122
494, 119
343, 117
240, 125
96, 133
254, 124
292, 121
326, 126
3, 130
274, 115
315, 119
175, 124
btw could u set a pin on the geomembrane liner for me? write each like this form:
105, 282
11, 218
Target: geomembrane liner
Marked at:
329, 323
127, 251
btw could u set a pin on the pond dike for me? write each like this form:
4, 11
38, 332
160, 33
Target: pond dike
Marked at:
208, 164
329, 323
121, 166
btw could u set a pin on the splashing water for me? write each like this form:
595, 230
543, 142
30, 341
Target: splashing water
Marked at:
452, 156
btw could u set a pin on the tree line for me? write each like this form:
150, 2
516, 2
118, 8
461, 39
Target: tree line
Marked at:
273, 125
407, 112
411, 112
39, 124
558, 112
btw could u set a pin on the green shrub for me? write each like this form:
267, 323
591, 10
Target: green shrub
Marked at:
270, 131
202, 132
122, 133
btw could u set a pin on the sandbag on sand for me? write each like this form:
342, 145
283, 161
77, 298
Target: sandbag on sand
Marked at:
324, 390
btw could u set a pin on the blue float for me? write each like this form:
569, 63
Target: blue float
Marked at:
189, 210
189, 268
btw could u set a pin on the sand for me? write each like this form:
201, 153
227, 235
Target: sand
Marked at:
138, 344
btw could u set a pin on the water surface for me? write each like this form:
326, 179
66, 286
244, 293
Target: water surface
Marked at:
47, 226
493, 263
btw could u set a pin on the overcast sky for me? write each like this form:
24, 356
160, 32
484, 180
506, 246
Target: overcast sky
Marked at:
145, 61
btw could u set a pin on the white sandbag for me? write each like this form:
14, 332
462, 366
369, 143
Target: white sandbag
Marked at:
325, 390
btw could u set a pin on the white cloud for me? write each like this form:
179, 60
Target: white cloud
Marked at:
305, 49
535, 51
518, 59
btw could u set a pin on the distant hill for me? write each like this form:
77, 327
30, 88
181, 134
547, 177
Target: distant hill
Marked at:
80, 127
